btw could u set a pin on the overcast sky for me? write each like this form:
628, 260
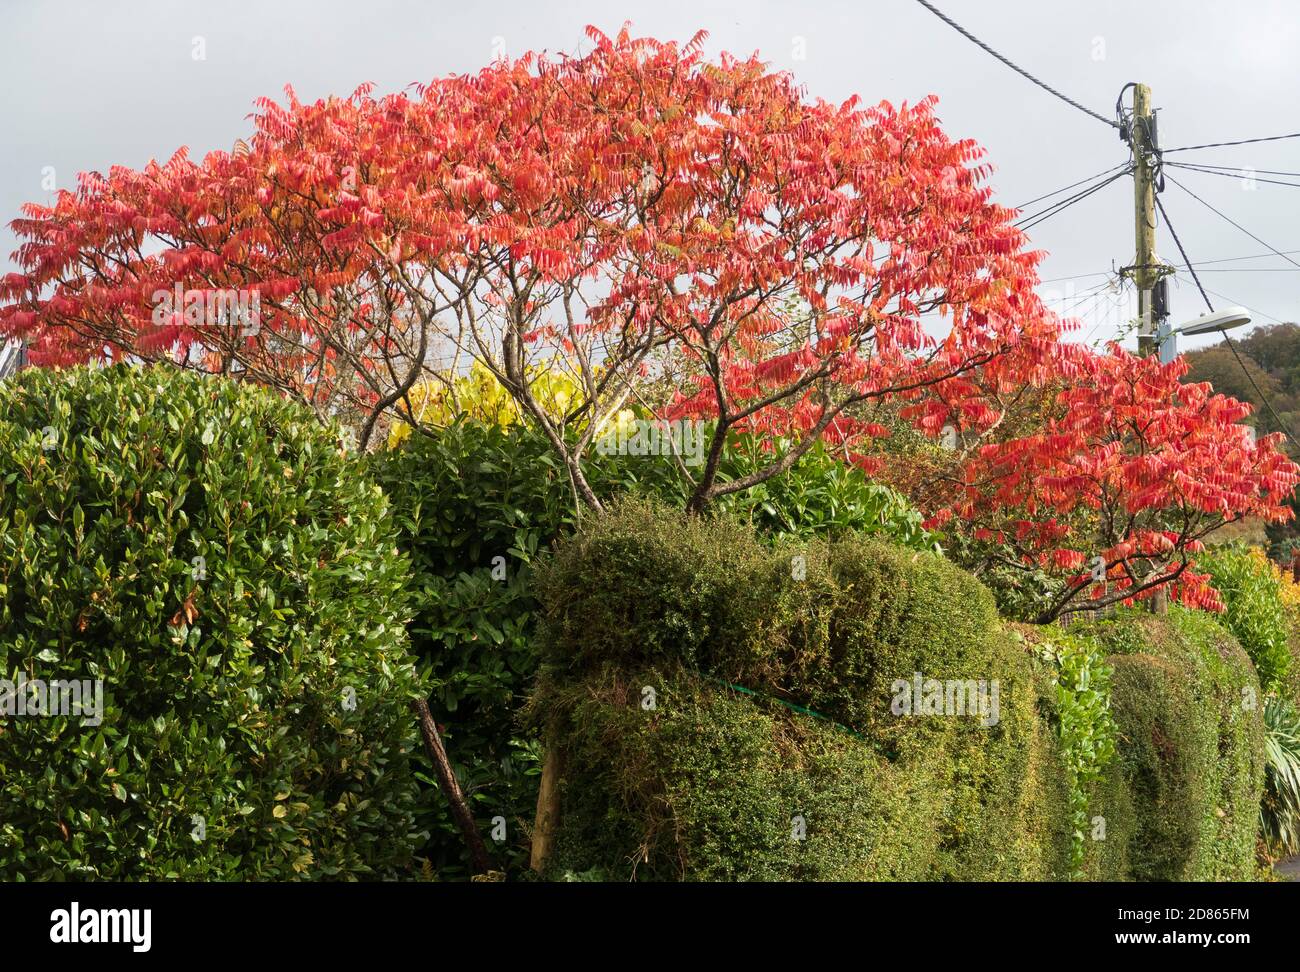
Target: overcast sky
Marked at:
92, 84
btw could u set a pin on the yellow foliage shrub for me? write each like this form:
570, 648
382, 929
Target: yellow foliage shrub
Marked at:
480, 396
1290, 589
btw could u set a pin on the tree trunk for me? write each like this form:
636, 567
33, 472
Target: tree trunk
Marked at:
450, 787
1160, 602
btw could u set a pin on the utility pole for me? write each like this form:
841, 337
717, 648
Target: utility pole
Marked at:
1146, 274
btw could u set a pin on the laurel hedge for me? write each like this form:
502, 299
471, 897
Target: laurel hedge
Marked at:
209, 555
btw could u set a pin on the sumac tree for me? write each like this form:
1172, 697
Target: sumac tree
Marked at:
641, 219
1116, 490
635, 210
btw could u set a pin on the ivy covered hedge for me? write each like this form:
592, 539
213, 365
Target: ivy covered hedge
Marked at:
1079, 711
774, 673
1181, 800
206, 553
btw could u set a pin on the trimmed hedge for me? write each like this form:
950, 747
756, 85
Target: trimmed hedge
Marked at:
209, 552
712, 785
470, 493
774, 672
1181, 801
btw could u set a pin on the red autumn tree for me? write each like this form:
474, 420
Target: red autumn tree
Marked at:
636, 210
1115, 493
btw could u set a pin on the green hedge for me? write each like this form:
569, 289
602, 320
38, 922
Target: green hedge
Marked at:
1181, 800
713, 785
1255, 612
460, 499
470, 493
774, 673
208, 552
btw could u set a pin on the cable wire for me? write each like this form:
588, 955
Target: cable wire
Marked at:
1203, 264
1244, 141
1075, 276
1183, 253
1238, 168
1252, 256
1253, 310
1232, 221
1071, 186
1114, 301
1262, 397
1233, 347
1028, 222
1249, 256
1232, 175
1019, 70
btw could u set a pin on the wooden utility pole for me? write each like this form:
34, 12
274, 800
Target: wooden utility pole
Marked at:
1146, 271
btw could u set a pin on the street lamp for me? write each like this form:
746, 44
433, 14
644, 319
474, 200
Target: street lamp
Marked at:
1223, 320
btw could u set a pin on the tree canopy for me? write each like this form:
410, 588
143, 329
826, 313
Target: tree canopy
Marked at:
639, 214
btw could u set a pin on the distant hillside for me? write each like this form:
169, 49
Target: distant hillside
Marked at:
1272, 357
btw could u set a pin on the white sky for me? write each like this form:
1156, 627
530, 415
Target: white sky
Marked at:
91, 84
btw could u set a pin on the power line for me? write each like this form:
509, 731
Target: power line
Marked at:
1071, 186
1252, 256
1230, 220
1186, 259
1249, 177
1076, 276
1113, 300
1244, 141
1237, 168
1203, 264
1035, 219
1019, 70
1233, 347
1028, 222
1262, 397
1079, 300
1253, 310
1089, 296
